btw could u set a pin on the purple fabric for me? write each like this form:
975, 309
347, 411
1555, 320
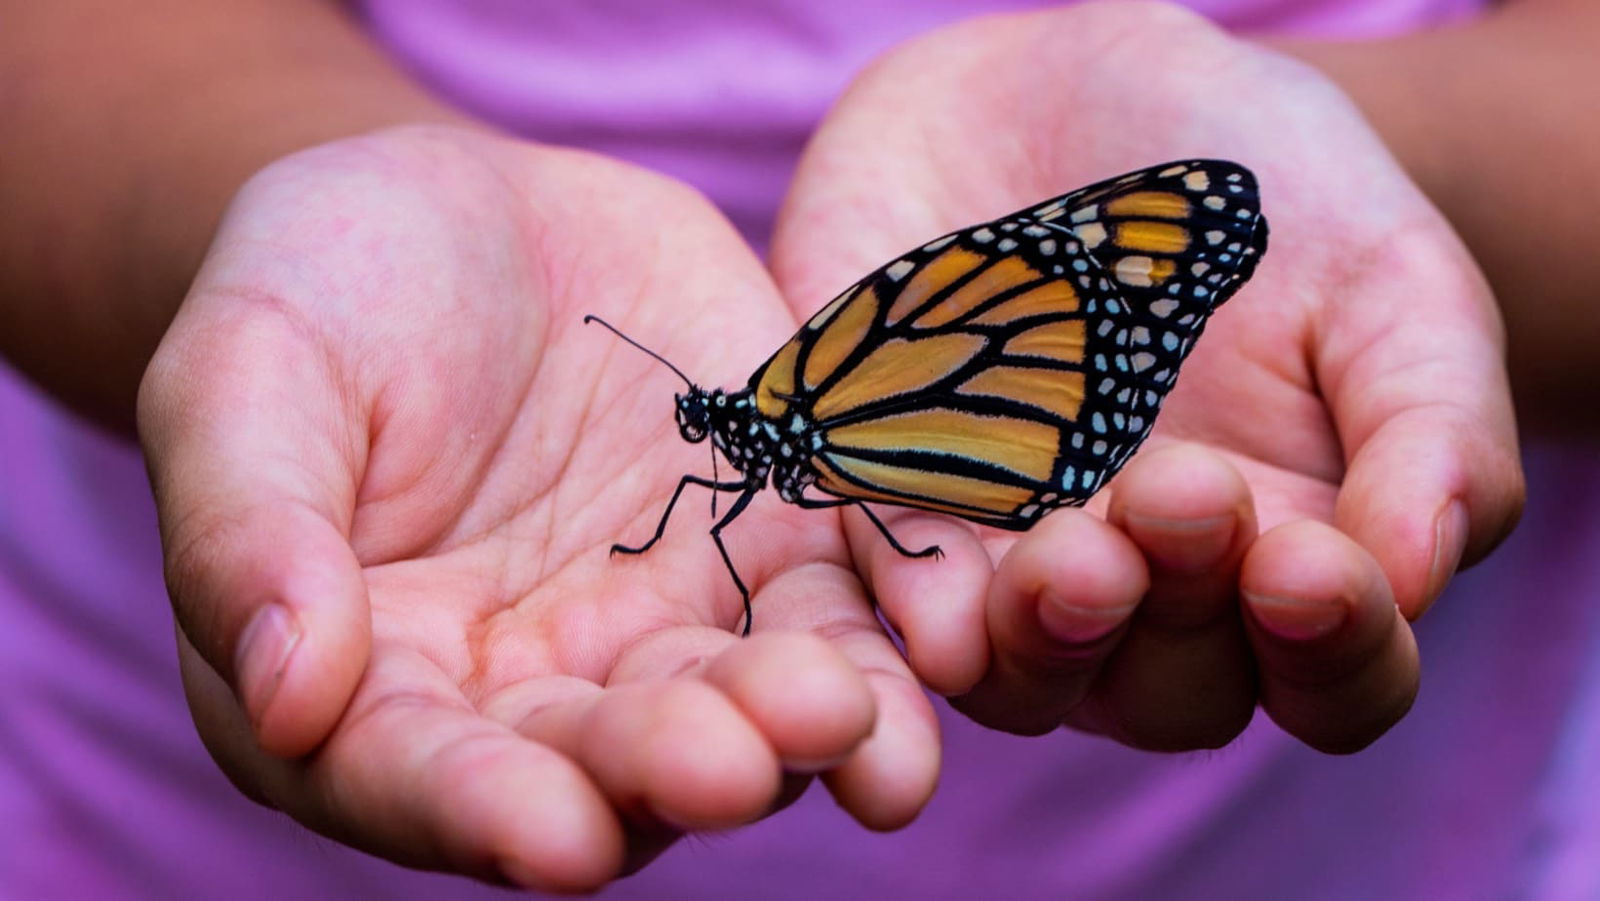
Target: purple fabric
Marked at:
1487, 789
723, 95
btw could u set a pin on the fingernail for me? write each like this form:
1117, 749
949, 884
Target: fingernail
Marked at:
1185, 545
263, 656
1294, 619
1449, 542
1073, 624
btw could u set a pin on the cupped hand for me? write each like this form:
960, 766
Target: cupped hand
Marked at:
390, 463
1340, 440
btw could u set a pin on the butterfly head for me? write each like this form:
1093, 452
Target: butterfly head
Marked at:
694, 414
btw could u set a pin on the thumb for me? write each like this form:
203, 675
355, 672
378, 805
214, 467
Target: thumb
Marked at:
1423, 407
254, 482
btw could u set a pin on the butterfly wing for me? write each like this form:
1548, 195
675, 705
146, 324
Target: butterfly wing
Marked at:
1187, 233
1013, 367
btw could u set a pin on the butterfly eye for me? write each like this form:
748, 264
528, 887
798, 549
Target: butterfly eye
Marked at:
693, 419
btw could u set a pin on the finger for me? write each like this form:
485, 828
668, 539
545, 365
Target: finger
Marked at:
890, 775
1182, 677
868, 721
807, 700
254, 489
1422, 403
1431, 490
416, 776
1338, 662
935, 603
1060, 600
805, 697
556, 711
661, 740
668, 751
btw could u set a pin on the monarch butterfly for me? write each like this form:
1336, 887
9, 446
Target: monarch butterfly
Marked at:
995, 373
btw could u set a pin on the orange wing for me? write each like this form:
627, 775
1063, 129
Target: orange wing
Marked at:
1013, 367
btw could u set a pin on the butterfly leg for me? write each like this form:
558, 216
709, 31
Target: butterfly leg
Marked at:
813, 504
716, 536
667, 514
931, 550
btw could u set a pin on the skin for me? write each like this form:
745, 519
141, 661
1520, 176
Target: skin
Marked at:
1340, 439
388, 461
387, 328
1515, 177
362, 435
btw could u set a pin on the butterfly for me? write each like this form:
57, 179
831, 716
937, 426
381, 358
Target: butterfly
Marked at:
994, 373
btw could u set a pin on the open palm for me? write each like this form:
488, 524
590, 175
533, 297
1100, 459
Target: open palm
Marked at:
390, 462
1339, 439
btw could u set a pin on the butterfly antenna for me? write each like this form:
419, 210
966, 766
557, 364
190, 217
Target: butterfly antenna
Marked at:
659, 358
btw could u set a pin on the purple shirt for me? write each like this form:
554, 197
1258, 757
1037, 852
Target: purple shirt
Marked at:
1491, 787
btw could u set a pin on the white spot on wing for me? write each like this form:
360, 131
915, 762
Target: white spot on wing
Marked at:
1163, 308
1135, 270
900, 269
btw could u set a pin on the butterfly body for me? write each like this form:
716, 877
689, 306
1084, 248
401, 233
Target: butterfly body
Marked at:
997, 372
758, 447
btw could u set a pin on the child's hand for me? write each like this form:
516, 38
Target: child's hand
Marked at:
390, 462
1346, 427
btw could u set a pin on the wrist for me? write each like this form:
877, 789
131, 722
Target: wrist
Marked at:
115, 183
